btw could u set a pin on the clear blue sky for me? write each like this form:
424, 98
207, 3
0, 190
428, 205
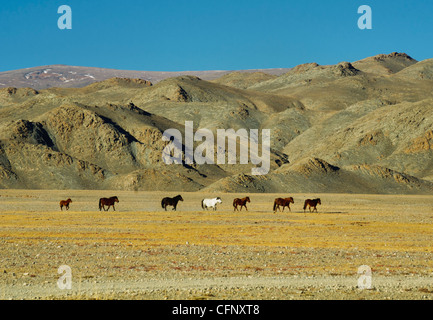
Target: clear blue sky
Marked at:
180, 35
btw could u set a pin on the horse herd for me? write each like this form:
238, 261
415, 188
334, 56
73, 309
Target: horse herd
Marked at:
206, 203
109, 202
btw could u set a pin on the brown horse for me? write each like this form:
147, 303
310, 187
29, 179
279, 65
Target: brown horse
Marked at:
283, 202
240, 202
311, 203
171, 202
107, 202
65, 203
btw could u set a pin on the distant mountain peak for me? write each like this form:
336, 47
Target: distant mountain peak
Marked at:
65, 76
381, 57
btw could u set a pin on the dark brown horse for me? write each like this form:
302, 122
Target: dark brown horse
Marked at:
240, 202
107, 202
171, 202
311, 204
283, 202
65, 203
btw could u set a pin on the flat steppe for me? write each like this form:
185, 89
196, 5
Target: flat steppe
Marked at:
141, 251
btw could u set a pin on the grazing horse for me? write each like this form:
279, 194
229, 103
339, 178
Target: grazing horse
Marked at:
240, 202
107, 202
283, 202
65, 203
311, 203
210, 203
171, 202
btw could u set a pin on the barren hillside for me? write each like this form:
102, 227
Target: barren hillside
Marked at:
362, 127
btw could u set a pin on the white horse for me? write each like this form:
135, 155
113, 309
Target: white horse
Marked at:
210, 203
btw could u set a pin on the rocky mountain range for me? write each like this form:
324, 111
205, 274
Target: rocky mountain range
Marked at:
354, 127
63, 76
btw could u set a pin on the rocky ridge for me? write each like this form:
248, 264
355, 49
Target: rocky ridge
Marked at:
361, 126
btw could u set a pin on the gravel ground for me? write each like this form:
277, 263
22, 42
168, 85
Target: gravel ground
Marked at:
142, 252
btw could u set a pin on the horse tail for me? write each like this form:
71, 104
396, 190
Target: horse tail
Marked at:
202, 204
162, 203
305, 204
275, 204
100, 204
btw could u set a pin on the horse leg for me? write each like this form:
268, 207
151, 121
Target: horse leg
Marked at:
246, 208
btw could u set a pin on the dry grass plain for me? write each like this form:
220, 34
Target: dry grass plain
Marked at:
142, 252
